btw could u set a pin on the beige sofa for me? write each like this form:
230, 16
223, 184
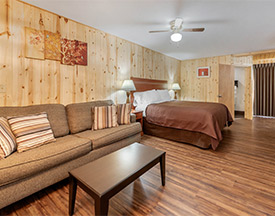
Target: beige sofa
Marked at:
22, 174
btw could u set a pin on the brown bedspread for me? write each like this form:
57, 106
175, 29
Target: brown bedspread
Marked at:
203, 117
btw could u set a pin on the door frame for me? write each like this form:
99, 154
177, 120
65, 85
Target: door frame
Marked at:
249, 89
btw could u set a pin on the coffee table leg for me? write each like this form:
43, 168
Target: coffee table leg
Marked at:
72, 194
101, 207
162, 169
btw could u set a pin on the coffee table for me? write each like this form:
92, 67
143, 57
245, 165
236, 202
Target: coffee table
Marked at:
106, 176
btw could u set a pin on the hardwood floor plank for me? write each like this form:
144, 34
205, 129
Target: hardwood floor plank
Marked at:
236, 179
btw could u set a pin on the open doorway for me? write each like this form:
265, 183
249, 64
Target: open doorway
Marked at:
239, 92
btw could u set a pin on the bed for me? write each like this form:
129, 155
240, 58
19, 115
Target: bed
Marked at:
196, 123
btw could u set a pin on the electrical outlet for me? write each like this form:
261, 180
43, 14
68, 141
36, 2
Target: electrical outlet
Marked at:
2, 88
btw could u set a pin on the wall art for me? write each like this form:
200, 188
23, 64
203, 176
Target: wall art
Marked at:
68, 51
52, 46
34, 44
81, 53
203, 72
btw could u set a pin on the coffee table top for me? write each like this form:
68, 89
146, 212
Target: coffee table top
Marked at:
105, 173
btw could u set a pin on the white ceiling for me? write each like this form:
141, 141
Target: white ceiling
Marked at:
232, 26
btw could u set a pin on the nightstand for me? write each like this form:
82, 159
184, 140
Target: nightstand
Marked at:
139, 118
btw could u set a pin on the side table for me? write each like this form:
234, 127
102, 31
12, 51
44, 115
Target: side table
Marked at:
139, 118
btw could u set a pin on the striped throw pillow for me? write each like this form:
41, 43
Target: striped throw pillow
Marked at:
104, 117
31, 131
123, 113
7, 139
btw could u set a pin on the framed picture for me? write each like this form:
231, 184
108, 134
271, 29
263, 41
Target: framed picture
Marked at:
203, 72
52, 45
68, 51
34, 45
81, 53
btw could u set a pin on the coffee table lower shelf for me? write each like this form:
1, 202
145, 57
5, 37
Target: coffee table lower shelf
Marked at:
105, 177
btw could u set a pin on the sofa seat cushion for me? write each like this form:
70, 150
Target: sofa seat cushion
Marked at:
108, 136
24, 164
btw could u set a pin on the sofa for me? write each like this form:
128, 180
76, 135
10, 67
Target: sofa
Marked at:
22, 174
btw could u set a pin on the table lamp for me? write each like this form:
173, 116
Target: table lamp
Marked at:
128, 85
175, 87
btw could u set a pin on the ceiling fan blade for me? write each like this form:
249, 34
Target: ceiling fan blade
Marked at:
159, 31
193, 29
178, 23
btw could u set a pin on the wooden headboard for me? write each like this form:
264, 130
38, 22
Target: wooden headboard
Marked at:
143, 84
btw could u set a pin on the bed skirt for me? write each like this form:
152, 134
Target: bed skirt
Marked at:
195, 138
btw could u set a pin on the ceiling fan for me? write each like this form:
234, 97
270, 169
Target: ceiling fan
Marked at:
176, 28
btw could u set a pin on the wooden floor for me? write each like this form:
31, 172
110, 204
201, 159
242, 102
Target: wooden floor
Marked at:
236, 179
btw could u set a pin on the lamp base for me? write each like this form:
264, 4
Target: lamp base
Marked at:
175, 97
128, 97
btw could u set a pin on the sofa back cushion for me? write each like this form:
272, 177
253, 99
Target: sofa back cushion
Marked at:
80, 114
56, 115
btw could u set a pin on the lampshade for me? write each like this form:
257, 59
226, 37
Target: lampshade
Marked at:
175, 86
128, 85
176, 37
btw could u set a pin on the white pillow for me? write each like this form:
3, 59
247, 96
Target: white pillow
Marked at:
164, 95
146, 97
137, 98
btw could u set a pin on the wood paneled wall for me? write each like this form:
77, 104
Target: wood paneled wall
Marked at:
110, 61
206, 89
264, 58
201, 89
248, 100
244, 61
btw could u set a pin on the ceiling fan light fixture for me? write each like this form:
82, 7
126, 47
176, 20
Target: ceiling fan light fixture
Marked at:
176, 37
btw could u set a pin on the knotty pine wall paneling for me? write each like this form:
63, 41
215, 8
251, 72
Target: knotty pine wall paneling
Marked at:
201, 89
206, 89
244, 61
264, 58
248, 93
4, 48
110, 61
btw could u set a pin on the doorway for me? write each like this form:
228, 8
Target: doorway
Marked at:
226, 88
239, 92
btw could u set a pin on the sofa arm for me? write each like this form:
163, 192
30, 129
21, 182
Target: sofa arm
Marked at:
132, 118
